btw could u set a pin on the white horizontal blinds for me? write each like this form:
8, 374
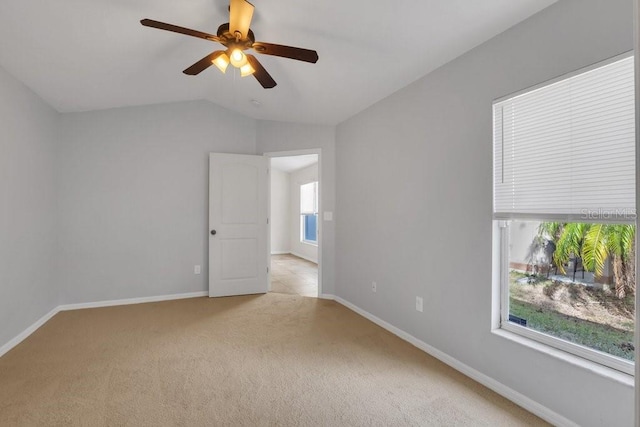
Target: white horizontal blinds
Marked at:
498, 142
308, 198
568, 148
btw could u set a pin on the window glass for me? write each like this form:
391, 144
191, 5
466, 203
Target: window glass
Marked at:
309, 212
310, 227
574, 281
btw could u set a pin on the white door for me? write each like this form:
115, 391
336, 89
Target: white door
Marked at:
238, 253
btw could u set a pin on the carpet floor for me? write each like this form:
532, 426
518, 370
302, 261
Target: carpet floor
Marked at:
271, 359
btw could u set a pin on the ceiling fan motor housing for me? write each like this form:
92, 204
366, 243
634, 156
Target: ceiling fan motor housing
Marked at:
230, 40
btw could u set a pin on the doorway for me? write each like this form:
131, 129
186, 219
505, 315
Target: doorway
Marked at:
294, 223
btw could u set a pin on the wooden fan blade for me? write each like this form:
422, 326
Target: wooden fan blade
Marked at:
240, 15
181, 30
286, 51
261, 74
203, 64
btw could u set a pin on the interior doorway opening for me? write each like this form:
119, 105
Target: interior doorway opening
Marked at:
294, 223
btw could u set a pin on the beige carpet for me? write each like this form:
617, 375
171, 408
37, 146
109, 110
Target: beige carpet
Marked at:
258, 360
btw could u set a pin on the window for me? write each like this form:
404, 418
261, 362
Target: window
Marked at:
309, 213
564, 201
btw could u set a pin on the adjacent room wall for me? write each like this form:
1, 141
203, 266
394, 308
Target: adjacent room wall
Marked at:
414, 204
280, 217
133, 197
27, 208
298, 178
280, 136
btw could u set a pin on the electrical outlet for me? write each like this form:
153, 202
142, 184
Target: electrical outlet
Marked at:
374, 287
419, 304
197, 269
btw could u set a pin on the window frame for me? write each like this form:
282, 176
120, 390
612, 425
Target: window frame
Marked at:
502, 239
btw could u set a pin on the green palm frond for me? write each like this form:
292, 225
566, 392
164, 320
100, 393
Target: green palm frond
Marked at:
569, 243
574, 233
595, 248
627, 239
561, 255
550, 230
614, 241
563, 249
621, 239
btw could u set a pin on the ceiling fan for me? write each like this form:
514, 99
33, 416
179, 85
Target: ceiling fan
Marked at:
237, 37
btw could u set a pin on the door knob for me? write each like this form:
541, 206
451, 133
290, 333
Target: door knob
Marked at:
213, 232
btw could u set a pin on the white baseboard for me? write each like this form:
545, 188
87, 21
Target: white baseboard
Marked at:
299, 255
280, 253
129, 301
507, 392
65, 307
327, 297
24, 334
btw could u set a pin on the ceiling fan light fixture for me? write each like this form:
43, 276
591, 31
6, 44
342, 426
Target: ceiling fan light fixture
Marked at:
237, 58
221, 61
246, 70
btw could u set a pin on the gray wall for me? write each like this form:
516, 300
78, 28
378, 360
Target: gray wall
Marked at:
419, 163
280, 136
133, 191
280, 218
27, 208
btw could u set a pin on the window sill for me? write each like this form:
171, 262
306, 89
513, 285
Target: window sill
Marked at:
596, 368
309, 243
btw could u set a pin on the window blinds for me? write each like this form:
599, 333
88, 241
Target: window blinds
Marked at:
308, 198
568, 148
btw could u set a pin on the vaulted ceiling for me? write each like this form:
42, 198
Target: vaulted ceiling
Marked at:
83, 55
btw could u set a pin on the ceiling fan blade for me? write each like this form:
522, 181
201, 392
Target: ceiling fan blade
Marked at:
261, 74
181, 30
298, 53
240, 15
203, 64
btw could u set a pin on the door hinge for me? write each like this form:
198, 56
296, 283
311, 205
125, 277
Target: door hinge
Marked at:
267, 269
267, 220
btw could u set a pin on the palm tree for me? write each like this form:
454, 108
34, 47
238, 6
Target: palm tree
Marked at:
615, 241
594, 243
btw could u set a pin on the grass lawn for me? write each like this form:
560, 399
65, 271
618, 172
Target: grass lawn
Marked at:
598, 336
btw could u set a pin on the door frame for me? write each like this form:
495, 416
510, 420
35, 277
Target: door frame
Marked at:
291, 153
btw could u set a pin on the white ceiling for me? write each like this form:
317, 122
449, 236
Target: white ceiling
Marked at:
293, 163
93, 54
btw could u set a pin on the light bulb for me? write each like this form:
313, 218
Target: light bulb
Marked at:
238, 58
246, 70
221, 61
237, 55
